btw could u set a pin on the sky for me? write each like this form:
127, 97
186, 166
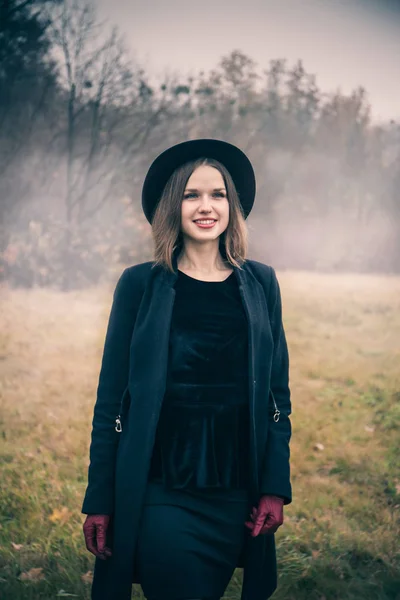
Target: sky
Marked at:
345, 43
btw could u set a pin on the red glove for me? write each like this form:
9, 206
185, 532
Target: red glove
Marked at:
268, 517
95, 532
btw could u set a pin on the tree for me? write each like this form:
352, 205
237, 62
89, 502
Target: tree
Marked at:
109, 110
27, 81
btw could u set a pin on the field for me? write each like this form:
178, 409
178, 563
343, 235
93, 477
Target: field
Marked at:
340, 538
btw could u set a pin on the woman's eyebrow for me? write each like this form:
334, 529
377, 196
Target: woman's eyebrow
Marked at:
195, 190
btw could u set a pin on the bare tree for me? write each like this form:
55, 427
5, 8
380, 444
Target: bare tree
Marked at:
109, 110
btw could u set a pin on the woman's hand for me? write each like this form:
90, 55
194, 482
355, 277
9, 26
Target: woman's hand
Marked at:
269, 516
95, 532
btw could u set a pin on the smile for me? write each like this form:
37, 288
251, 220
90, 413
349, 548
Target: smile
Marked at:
205, 223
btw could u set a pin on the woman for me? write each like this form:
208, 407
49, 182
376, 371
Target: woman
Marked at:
189, 459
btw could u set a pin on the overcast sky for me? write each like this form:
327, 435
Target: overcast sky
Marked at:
345, 43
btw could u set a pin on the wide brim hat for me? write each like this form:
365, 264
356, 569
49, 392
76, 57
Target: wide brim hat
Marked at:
233, 159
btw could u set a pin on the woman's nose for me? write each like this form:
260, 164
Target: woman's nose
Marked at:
205, 202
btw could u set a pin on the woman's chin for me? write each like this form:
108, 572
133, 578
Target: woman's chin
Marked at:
203, 238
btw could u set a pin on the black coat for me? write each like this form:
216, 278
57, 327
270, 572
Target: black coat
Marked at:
132, 383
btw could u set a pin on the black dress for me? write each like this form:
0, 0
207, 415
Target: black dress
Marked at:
192, 528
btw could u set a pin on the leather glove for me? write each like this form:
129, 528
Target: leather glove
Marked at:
95, 532
268, 517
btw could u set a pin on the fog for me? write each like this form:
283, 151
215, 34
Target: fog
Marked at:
83, 114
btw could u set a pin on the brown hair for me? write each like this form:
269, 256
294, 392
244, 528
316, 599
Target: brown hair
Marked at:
166, 222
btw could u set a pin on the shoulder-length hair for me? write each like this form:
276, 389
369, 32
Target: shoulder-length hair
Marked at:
166, 222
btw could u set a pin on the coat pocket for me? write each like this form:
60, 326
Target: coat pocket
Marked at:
123, 410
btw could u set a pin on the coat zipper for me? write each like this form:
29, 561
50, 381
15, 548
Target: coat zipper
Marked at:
118, 418
277, 412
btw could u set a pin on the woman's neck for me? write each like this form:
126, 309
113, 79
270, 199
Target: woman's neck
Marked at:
202, 263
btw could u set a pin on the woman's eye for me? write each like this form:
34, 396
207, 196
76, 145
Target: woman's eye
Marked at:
191, 194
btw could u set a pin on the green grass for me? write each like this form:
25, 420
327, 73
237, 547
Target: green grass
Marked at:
340, 538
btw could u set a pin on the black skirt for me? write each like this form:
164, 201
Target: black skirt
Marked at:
190, 541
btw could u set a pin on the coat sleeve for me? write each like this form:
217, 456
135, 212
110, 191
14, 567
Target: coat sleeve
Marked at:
113, 380
276, 468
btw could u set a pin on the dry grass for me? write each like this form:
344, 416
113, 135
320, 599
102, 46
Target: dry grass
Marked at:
340, 537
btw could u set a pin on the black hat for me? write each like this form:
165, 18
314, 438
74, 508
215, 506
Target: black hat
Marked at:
233, 159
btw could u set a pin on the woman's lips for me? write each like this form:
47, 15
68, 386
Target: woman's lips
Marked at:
204, 225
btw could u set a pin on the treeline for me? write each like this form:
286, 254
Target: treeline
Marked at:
80, 122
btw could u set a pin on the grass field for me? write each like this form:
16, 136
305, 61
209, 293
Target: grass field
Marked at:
341, 535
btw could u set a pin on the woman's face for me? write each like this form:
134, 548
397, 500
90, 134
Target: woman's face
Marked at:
205, 197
